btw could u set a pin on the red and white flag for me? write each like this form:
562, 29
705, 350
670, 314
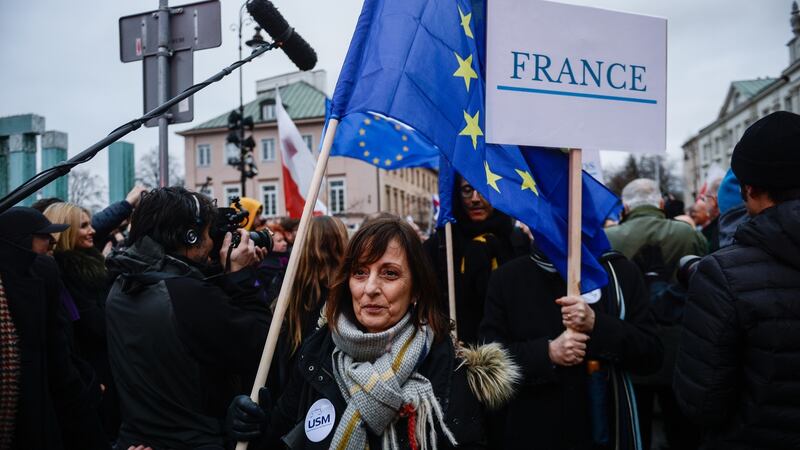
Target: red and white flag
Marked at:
298, 164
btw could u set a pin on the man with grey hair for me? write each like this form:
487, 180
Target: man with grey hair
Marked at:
711, 229
657, 244
645, 225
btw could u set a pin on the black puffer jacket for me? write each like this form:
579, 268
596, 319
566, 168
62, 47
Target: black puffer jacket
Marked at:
738, 367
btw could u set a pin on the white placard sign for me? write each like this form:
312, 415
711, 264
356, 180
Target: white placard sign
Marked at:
570, 76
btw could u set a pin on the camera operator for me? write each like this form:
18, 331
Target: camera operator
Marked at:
179, 331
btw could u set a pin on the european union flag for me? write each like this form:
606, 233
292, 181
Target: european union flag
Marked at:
382, 142
417, 62
447, 177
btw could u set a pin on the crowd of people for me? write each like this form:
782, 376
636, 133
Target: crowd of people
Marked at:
142, 326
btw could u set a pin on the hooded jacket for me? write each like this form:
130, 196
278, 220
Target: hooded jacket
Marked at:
176, 339
466, 384
738, 366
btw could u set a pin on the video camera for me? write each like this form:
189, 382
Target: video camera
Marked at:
229, 220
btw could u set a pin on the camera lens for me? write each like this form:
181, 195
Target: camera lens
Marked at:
261, 239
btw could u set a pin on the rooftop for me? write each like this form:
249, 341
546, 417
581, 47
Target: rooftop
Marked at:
749, 88
301, 100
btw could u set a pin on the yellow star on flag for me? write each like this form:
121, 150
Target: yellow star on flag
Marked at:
465, 69
527, 181
491, 178
465, 22
473, 128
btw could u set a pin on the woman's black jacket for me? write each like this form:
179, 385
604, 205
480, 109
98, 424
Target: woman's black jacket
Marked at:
313, 380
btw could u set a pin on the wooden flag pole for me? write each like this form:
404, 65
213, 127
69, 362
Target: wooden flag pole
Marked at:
574, 223
451, 286
291, 268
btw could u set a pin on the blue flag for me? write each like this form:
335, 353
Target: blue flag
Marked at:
447, 178
417, 61
382, 142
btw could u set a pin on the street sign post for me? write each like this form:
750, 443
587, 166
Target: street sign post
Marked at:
181, 70
196, 26
165, 40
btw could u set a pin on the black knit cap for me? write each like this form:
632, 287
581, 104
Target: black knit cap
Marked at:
768, 154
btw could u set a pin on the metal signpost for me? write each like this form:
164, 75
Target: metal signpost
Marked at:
165, 40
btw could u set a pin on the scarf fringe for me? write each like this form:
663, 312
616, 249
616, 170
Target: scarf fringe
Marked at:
429, 413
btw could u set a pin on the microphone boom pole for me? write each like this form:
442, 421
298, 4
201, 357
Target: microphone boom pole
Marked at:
47, 176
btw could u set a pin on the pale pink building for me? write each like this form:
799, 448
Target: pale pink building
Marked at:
352, 189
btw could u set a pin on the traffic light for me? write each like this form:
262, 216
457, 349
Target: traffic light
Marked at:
234, 140
238, 148
236, 145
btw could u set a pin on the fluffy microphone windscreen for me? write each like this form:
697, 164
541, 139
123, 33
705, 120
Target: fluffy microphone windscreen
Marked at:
295, 47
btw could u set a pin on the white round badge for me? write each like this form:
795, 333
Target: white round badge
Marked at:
319, 420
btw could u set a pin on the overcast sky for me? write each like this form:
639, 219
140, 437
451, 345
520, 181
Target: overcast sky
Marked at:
60, 59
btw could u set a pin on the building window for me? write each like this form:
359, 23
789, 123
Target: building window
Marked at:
309, 140
268, 110
269, 197
336, 195
268, 149
203, 155
231, 190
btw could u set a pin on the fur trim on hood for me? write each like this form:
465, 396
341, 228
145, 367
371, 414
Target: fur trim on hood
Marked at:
492, 374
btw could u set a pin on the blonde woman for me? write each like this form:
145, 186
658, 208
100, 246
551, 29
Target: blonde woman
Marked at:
84, 274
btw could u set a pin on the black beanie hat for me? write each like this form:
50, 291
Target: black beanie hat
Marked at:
768, 154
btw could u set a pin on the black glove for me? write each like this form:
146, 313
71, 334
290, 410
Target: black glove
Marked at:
247, 420
651, 263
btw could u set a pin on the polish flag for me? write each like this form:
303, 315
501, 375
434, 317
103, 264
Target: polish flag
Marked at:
298, 164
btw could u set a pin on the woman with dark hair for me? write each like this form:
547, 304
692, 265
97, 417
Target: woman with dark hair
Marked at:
320, 258
384, 372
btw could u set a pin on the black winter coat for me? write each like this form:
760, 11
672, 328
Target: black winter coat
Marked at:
738, 367
314, 380
84, 275
551, 409
177, 341
55, 408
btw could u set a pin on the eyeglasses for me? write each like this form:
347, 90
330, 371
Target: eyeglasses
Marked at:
466, 191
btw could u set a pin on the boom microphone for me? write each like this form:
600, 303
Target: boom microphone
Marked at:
295, 47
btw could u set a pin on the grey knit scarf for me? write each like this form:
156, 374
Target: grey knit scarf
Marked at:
376, 375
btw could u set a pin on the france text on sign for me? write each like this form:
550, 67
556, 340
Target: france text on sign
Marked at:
571, 76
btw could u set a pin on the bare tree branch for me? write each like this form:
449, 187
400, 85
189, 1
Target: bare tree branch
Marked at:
147, 170
86, 189
644, 167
